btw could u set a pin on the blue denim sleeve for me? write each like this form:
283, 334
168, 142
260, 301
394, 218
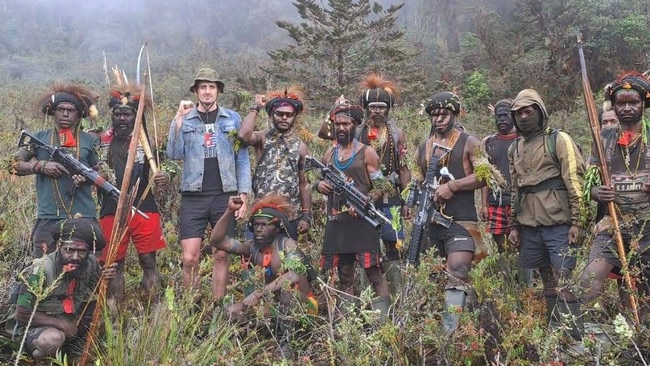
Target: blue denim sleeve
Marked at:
244, 177
174, 143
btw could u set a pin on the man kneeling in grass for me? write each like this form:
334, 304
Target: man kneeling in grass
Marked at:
284, 265
65, 281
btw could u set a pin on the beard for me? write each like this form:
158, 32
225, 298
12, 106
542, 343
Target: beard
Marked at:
344, 138
505, 128
122, 130
79, 272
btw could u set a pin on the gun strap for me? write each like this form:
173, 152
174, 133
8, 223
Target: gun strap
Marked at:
555, 183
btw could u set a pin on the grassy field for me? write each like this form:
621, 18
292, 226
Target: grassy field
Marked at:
505, 328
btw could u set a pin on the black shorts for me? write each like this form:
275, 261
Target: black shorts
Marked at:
604, 247
545, 246
197, 211
454, 239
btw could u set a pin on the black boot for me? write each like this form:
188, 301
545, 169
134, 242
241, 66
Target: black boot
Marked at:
393, 272
566, 315
381, 303
455, 298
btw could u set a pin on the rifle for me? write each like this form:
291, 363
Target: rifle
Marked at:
74, 166
421, 194
605, 178
348, 193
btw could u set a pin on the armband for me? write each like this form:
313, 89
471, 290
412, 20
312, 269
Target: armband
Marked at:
376, 175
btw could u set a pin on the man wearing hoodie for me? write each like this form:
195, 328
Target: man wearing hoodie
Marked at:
546, 170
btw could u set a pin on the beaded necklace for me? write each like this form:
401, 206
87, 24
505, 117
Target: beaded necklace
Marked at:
626, 154
383, 145
336, 156
55, 184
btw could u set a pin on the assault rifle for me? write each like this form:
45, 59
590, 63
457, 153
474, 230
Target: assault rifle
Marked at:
73, 166
346, 193
421, 194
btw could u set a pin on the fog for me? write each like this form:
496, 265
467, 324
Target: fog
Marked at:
45, 39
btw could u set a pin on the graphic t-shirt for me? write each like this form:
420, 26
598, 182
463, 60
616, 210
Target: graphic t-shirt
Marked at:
211, 175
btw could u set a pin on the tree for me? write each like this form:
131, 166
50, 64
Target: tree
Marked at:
337, 44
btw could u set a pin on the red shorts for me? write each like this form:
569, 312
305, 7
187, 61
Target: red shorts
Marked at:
146, 234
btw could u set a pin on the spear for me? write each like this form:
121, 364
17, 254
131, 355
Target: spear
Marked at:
117, 233
605, 177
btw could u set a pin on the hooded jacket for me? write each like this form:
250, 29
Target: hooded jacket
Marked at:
545, 192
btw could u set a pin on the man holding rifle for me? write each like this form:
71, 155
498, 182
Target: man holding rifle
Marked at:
455, 198
59, 195
347, 236
627, 155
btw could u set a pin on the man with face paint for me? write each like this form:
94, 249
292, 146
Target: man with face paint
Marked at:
280, 154
214, 168
382, 134
627, 154
495, 207
61, 319
455, 199
277, 253
146, 233
349, 238
546, 199
59, 195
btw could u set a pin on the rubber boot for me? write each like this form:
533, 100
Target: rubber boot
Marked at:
566, 315
455, 298
283, 327
364, 282
347, 304
393, 272
525, 276
381, 303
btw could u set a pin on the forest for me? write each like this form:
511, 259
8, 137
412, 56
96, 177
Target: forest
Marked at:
482, 50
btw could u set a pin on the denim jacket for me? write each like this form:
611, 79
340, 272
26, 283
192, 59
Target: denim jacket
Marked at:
188, 145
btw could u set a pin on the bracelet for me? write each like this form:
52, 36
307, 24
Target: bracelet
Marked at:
34, 167
451, 189
255, 107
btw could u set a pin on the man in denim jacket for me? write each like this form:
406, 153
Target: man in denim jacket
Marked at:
215, 168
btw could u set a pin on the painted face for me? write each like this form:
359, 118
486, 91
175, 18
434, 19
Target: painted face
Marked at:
343, 129
123, 120
74, 257
265, 231
442, 121
628, 106
503, 120
66, 115
377, 112
283, 118
207, 92
609, 119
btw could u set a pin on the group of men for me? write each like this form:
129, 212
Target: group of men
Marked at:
539, 211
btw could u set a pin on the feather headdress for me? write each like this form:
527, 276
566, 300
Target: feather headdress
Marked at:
62, 92
377, 89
